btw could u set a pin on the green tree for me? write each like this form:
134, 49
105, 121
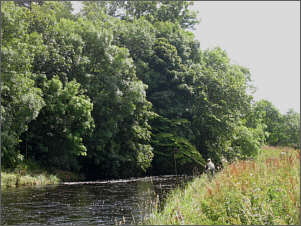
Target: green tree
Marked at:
187, 47
169, 81
177, 11
120, 107
61, 9
137, 9
94, 11
78, 50
55, 138
138, 37
28, 4
172, 149
21, 100
290, 127
155, 11
157, 62
272, 118
170, 92
13, 24
220, 107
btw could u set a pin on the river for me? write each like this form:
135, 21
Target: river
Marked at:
86, 203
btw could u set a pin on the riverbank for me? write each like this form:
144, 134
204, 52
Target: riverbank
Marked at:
23, 177
263, 191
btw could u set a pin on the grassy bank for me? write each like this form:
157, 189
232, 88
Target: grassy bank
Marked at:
23, 177
12, 179
265, 190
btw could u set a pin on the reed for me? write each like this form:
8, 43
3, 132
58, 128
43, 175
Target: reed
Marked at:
265, 190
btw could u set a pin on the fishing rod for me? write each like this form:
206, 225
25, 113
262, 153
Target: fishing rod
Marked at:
189, 157
174, 153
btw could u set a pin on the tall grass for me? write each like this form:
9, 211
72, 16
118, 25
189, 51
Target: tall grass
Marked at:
29, 174
9, 179
263, 191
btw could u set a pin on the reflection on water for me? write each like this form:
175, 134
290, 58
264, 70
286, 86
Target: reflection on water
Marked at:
97, 202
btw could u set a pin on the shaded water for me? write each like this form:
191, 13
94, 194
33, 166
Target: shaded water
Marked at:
97, 202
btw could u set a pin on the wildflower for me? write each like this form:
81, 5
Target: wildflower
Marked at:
257, 189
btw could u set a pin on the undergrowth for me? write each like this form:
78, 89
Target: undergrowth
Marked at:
264, 191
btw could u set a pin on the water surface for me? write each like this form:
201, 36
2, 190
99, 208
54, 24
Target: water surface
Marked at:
82, 203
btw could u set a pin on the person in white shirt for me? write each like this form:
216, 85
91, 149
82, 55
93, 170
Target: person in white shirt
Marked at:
210, 168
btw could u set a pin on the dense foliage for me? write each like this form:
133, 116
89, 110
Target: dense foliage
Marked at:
116, 89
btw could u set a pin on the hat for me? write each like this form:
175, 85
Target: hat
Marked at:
208, 159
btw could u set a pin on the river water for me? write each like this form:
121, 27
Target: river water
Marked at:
86, 203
